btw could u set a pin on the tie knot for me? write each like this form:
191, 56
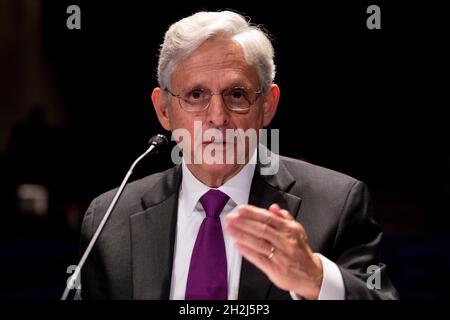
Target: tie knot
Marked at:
213, 202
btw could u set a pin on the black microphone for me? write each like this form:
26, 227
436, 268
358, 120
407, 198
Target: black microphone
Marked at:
157, 143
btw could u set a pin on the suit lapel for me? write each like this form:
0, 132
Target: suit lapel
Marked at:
153, 237
264, 191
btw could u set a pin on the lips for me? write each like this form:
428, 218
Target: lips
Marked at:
216, 141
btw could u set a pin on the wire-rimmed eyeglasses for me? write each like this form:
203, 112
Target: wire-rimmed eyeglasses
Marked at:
236, 99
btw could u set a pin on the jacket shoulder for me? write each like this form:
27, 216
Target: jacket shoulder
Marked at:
311, 176
133, 193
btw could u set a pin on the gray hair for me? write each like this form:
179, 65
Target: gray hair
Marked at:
187, 34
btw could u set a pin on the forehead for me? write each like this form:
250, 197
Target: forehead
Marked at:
216, 60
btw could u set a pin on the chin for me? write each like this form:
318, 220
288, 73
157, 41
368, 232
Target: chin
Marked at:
219, 169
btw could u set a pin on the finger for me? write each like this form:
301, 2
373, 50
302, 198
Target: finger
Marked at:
275, 209
261, 215
239, 226
285, 214
257, 244
292, 231
297, 233
259, 260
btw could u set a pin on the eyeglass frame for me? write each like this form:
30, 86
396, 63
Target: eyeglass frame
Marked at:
258, 93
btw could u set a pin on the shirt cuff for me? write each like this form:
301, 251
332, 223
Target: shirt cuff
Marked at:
332, 287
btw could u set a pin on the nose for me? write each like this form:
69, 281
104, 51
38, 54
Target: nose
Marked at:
217, 114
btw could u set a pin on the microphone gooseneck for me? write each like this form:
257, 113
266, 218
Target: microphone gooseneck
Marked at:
157, 142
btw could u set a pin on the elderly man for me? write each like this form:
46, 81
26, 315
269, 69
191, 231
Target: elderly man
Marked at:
223, 229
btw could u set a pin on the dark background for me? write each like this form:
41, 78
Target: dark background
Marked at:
75, 111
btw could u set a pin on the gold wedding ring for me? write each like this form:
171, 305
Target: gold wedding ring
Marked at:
271, 253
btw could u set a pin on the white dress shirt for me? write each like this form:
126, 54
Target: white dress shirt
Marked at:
190, 217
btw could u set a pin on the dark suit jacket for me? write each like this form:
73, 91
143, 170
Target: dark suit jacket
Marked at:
133, 256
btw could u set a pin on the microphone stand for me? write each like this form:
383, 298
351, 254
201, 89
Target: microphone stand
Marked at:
155, 142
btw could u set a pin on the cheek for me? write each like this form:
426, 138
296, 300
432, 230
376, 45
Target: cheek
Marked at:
177, 119
253, 119
184, 124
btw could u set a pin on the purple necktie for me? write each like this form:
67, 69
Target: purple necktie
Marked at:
207, 278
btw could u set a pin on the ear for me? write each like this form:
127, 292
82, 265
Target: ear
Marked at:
270, 104
160, 104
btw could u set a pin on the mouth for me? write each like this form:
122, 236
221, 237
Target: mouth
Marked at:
217, 142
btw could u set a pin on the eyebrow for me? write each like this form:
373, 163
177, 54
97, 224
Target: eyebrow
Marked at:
232, 84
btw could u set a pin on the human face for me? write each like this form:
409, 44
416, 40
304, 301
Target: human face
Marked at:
218, 64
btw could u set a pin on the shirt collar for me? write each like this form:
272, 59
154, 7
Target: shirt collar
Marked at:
237, 188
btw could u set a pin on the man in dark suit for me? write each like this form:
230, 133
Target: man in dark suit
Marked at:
214, 227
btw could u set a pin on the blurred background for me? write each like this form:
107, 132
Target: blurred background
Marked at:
75, 111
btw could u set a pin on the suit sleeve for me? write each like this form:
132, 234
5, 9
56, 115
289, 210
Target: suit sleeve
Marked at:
356, 249
93, 284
